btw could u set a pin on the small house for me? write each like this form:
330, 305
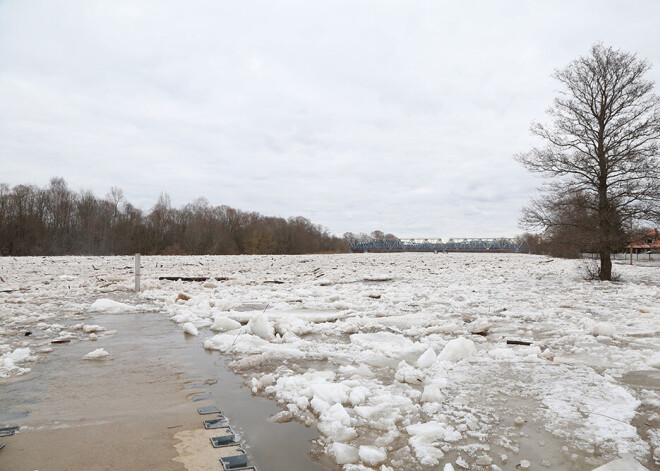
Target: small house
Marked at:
647, 243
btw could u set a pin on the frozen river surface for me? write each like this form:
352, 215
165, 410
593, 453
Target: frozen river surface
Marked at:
400, 360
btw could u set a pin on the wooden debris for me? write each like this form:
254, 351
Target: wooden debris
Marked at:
192, 278
483, 333
518, 342
184, 278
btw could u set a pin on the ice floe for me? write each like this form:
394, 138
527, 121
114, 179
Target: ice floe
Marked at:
400, 360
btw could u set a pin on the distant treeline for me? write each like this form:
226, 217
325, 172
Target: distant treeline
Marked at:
57, 221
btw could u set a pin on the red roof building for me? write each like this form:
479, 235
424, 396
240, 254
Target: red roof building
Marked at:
649, 242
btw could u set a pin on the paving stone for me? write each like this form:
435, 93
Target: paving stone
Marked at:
208, 410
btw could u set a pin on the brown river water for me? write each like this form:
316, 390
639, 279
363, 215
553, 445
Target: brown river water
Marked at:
125, 413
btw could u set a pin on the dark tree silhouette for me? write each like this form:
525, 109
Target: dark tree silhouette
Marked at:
601, 153
57, 221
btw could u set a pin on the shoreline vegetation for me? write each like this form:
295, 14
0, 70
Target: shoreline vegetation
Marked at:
55, 220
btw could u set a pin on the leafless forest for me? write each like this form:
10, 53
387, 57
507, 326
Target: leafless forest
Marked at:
58, 221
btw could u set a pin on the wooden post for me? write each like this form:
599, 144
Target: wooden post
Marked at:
137, 272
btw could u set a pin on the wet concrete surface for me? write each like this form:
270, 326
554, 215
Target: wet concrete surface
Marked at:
123, 413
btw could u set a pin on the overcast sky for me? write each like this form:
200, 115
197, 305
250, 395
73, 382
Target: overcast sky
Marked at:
401, 116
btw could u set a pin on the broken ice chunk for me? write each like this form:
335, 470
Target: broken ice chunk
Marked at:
190, 329
371, 454
627, 463
458, 349
98, 354
426, 359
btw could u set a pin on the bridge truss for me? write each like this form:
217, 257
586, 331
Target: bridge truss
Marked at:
501, 245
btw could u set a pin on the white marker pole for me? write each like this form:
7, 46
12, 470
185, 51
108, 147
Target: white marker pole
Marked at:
631, 241
137, 272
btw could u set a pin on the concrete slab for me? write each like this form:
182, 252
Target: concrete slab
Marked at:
218, 422
8, 431
232, 456
225, 435
208, 410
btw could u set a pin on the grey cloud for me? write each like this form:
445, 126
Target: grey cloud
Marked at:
401, 116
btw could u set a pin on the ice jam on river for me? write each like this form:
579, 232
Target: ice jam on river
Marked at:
402, 361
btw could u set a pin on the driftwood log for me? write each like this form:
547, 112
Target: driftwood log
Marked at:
192, 278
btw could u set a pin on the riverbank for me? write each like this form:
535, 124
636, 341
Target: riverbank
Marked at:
134, 410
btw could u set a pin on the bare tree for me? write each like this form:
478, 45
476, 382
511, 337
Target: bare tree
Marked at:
115, 197
56, 221
601, 151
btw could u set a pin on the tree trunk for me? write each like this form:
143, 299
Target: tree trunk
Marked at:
605, 266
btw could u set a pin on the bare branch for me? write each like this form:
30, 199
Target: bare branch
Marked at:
601, 152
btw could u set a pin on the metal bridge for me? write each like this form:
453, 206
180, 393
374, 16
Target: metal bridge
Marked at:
501, 245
